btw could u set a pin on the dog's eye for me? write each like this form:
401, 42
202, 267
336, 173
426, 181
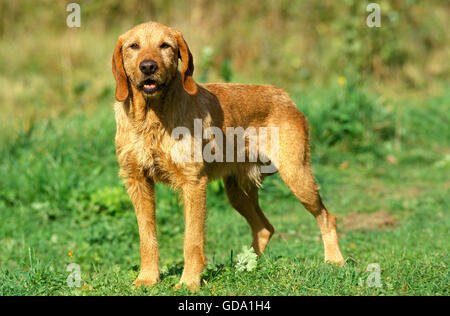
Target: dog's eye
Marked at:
164, 46
134, 46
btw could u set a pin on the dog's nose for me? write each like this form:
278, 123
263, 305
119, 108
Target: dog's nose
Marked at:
148, 67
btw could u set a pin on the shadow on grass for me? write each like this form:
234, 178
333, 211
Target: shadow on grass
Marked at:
209, 274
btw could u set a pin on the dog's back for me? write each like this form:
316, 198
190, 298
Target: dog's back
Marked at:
250, 105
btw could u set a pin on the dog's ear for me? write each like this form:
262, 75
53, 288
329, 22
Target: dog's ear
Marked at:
187, 69
119, 73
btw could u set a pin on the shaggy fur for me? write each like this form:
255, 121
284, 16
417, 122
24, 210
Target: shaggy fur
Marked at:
150, 106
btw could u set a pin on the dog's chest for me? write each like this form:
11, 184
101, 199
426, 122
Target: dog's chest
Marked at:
152, 150
144, 147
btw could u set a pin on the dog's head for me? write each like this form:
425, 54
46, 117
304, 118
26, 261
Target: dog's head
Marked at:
147, 58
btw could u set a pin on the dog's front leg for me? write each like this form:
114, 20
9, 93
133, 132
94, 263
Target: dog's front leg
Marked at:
194, 198
142, 194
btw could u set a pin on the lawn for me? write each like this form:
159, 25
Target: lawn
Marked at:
61, 202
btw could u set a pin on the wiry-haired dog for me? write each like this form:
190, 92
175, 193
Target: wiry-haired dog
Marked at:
154, 98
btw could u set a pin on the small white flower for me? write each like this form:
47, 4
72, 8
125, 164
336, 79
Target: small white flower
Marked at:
246, 260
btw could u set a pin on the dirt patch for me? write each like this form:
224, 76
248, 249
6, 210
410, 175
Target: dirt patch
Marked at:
370, 221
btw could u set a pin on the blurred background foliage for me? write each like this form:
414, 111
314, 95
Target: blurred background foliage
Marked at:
284, 40
286, 43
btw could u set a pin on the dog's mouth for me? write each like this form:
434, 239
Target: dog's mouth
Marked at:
149, 86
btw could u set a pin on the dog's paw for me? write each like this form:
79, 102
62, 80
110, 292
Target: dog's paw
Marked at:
145, 282
338, 261
192, 286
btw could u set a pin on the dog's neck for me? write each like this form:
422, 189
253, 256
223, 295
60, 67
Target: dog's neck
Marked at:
167, 109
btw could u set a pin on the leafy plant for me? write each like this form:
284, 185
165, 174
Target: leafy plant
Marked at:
349, 117
246, 260
112, 200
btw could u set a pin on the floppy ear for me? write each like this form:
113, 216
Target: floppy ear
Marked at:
187, 69
119, 73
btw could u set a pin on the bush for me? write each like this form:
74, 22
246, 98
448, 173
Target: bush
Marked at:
112, 200
348, 117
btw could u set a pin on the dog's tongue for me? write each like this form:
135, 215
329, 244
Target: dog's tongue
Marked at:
150, 86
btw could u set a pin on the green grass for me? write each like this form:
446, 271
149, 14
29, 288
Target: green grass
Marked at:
59, 192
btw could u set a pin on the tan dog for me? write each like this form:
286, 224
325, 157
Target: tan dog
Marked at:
155, 98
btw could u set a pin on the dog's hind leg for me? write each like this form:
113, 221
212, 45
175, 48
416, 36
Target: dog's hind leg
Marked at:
301, 182
295, 170
246, 203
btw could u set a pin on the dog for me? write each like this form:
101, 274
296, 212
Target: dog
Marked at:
155, 98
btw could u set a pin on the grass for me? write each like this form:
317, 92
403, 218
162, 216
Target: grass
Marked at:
60, 194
